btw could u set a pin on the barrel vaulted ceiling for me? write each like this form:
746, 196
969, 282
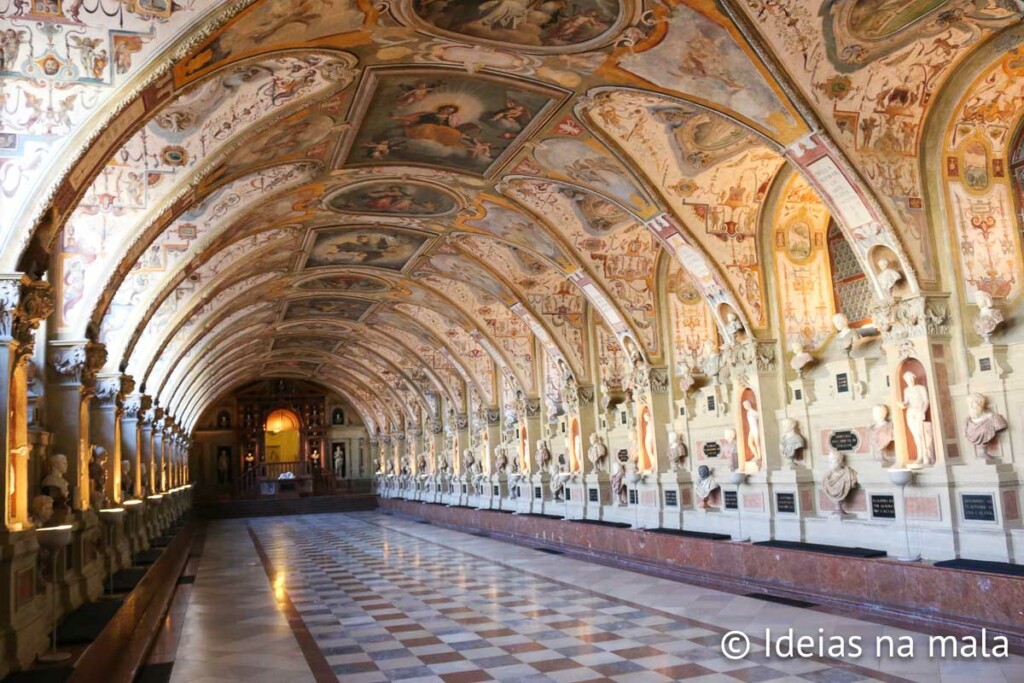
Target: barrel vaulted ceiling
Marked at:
420, 200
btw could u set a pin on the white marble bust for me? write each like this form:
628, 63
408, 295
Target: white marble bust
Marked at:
982, 425
839, 480
801, 359
791, 441
988, 318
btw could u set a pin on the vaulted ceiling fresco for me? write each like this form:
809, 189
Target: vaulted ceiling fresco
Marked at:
424, 199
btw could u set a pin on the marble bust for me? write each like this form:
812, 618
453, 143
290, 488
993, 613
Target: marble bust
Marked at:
597, 454
127, 480
41, 510
712, 364
676, 452
686, 380
468, 460
982, 425
888, 276
801, 359
705, 485
730, 449
500, 460
988, 318
54, 484
845, 335
543, 455
839, 480
733, 326
791, 441
880, 433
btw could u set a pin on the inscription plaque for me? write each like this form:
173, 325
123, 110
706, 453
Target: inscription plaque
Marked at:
592, 495
844, 440
671, 499
732, 501
623, 455
785, 502
712, 449
497, 491
711, 404
632, 497
978, 507
883, 507
537, 493
842, 383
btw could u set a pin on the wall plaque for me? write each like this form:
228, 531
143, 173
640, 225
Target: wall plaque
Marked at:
844, 440
671, 499
732, 501
883, 507
497, 491
712, 449
985, 364
623, 455
978, 507
537, 492
592, 495
711, 404
785, 502
632, 497
842, 383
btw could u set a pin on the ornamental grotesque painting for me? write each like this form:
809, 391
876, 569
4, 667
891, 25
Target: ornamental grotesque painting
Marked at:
390, 198
527, 23
470, 124
374, 247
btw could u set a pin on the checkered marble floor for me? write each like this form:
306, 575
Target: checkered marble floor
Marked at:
386, 605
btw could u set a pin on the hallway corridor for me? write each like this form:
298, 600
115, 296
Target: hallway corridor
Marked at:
370, 597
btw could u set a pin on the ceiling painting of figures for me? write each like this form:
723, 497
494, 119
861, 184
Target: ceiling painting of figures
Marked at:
470, 124
372, 247
389, 197
346, 283
552, 24
344, 309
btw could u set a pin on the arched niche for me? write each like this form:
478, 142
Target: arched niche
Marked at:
751, 446
915, 403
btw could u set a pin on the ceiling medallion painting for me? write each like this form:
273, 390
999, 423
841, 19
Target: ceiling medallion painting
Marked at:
346, 309
434, 117
346, 283
391, 197
536, 25
375, 247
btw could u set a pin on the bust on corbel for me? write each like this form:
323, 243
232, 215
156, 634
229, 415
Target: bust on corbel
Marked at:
982, 426
988, 318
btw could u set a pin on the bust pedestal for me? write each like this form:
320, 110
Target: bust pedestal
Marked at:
25, 615
598, 490
790, 499
676, 497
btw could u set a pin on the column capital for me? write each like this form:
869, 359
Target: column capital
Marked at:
24, 304
915, 317
76, 362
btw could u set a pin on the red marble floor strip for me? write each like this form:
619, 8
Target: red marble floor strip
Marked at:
314, 657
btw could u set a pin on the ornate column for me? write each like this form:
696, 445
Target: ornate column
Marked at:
145, 446
158, 451
105, 425
74, 365
24, 304
131, 480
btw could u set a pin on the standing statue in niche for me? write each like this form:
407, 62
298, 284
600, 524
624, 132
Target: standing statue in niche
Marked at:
791, 441
845, 335
730, 449
98, 478
543, 455
705, 485
989, 318
676, 452
557, 483
915, 405
982, 425
801, 359
421, 464
880, 434
500, 460
619, 485
888, 276
650, 442
468, 460
598, 454
753, 419
839, 480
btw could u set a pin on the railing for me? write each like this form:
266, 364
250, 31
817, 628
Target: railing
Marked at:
324, 482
